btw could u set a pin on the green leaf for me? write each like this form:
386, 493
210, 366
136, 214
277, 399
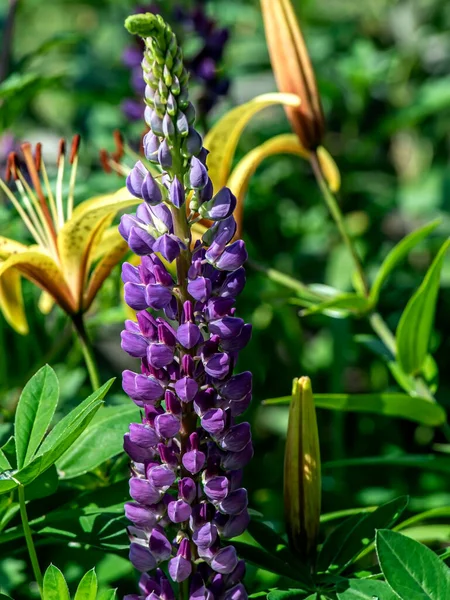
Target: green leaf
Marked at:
102, 440
55, 586
5, 597
60, 428
365, 589
415, 326
345, 303
275, 545
87, 590
416, 409
45, 460
35, 411
45, 485
397, 254
355, 534
284, 594
411, 569
420, 461
107, 595
259, 557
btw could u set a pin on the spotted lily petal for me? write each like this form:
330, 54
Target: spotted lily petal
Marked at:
8, 247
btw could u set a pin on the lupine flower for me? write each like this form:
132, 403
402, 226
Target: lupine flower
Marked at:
66, 241
188, 452
293, 71
302, 477
203, 66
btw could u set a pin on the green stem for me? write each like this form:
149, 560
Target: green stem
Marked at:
29, 540
86, 348
338, 217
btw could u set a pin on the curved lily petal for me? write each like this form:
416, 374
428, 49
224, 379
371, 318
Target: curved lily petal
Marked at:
8, 247
11, 301
223, 138
42, 270
108, 239
116, 252
80, 235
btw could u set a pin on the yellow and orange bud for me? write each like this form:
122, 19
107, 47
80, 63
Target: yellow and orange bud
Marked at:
302, 479
293, 71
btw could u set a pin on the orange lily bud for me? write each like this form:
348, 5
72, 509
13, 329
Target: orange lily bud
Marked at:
302, 479
293, 71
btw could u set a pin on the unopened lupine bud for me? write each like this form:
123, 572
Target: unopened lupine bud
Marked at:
302, 476
293, 71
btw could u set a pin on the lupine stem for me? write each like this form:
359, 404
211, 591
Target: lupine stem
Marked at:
88, 353
29, 540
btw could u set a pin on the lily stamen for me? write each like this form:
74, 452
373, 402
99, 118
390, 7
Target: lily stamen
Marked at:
73, 160
59, 182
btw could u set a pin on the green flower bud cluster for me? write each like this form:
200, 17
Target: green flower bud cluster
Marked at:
169, 114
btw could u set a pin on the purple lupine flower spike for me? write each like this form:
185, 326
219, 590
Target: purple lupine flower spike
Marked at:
188, 452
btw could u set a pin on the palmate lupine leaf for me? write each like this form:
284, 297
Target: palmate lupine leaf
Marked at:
55, 586
33, 457
363, 589
87, 589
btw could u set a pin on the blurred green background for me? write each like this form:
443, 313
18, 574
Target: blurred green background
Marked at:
382, 68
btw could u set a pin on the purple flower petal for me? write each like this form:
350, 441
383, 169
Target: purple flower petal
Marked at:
225, 560
136, 178
217, 488
193, 461
141, 558
179, 511
213, 421
143, 491
141, 516
143, 435
157, 296
218, 366
159, 355
159, 545
235, 502
167, 425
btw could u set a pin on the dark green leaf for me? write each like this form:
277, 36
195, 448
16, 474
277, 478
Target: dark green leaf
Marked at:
411, 569
416, 323
55, 586
365, 589
263, 560
420, 461
35, 411
102, 440
87, 589
274, 544
43, 486
60, 428
415, 408
355, 534
284, 594
397, 254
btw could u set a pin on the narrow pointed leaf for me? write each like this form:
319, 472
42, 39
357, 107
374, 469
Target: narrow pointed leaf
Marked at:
419, 410
411, 569
397, 254
87, 589
350, 538
55, 586
35, 411
222, 139
416, 323
353, 303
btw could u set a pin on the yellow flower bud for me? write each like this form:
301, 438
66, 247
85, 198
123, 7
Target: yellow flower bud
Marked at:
302, 480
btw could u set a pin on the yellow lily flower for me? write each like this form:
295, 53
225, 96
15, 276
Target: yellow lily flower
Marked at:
75, 249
